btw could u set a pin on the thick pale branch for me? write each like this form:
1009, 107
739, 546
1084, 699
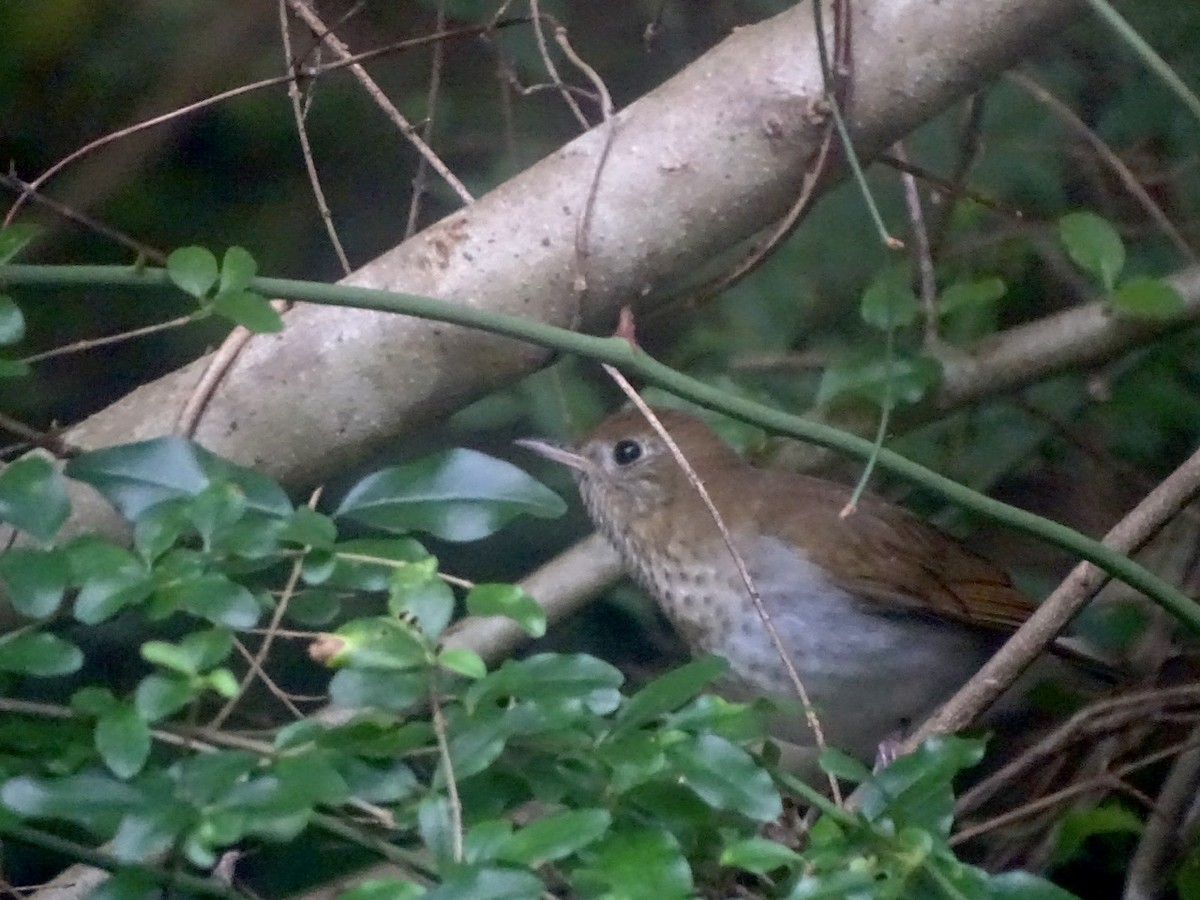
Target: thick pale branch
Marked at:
711, 157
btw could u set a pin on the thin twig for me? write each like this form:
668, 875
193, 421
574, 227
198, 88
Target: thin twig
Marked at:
584, 224
922, 252
439, 730
1159, 844
969, 146
437, 58
108, 341
341, 50
264, 647
1114, 778
810, 714
352, 61
539, 34
1138, 526
1068, 117
22, 188
298, 114
46, 440
218, 366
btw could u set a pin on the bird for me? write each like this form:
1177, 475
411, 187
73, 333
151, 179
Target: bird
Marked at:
882, 614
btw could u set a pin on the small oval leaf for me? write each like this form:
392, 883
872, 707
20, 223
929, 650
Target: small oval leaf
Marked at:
238, 269
193, 270
1093, 245
1142, 297
123, 741
459, 495
135, 477
40, 654
33, 496
250, 310
510, 601
12, 321
463, 661
34, 580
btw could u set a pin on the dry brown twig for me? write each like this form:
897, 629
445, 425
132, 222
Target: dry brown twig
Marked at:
298, 115
1031, 639
1106, 155
922, 252
437, 59
352, 61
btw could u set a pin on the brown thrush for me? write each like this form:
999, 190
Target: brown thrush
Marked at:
882, 614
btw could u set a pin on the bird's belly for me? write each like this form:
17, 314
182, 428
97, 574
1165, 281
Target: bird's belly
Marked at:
869, 675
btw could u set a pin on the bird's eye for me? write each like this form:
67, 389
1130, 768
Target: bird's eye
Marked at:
626, 452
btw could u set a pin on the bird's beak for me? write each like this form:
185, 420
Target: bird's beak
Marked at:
555, 453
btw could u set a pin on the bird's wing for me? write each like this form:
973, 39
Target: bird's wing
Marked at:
894, 562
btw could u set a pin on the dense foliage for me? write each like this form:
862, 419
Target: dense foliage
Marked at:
256, 693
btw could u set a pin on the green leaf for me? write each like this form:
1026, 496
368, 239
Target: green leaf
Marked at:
193, 270
759, 855
94, 800
726, 777
459, 495
214, 509
354, 569
669, 692
135, 477
126, 884
917, 789
123, 740
34, 580
435, 827
549, 677
889, 301
475, 883
1187, 875
378, 689
866, 376
223, 683
963, 295
417, 591
556, 836
463, 661
484, 840
510, 601
33, 496
1141, 297
16, 238
238, 269
1079, 825
843, 765
383, 889
109, 579
379, 643
1024, 886
213, 597
314, 607
158, 696
309, 528
250, 310
93, 701
1093, 245
12, 322
159, 528
196, 653
638, 864
40, 654
12, 368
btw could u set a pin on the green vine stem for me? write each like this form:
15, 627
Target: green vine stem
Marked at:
619, 352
